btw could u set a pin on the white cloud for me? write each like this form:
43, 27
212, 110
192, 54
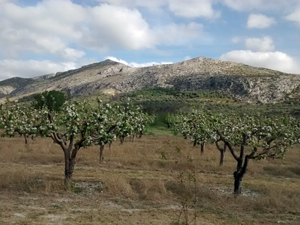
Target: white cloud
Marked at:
187, 8
32, 68
272, 60
52, 17
264, 44
294, 16
193, 8
152, 5
44, 28
52, 26
117, 60
73, 54
114, 26
260, 21
179, 34
260, 5
134, 64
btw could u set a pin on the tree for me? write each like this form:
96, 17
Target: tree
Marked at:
53, 100
131, 120
139, 120
70, 128
75, 132
77, 125
264, 136
120, 121
194, 126
222, 151
25, 121
104, 125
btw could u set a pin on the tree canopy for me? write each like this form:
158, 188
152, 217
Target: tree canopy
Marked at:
52, 100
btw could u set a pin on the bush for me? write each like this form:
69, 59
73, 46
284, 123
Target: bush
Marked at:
53, 100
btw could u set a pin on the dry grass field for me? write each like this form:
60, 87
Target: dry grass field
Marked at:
139, 183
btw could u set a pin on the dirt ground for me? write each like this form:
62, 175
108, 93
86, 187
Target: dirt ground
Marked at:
149, 181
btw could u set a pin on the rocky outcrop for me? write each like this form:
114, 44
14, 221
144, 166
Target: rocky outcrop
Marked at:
200, 74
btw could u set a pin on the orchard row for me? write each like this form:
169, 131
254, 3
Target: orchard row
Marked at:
76, 125
81, 124
246, 137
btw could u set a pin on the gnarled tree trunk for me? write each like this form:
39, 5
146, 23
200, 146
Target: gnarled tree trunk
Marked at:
70, 151
70, 160
239, 174
242, 164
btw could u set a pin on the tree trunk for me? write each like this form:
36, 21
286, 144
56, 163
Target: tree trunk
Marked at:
101, 153
141, 134
122, 140
239, 174
222, 153
133, 138
237, 182
69, 168
202, 147
109, 146
26, 139
70, 151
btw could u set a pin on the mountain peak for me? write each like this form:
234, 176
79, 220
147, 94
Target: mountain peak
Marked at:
109, 61
197, 74
106, 62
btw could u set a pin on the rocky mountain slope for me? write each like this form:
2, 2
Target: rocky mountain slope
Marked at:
199, 74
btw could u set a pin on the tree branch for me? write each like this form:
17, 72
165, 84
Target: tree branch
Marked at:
58, 140
231, 150
228, 145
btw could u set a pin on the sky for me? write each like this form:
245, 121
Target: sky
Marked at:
40, 37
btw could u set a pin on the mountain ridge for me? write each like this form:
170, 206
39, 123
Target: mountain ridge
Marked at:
245, 82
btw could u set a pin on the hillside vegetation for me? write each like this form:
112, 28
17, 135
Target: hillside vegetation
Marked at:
162, 100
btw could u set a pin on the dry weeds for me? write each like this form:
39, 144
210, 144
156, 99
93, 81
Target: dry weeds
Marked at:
138, 184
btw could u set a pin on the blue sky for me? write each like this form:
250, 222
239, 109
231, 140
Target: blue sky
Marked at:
46, 36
